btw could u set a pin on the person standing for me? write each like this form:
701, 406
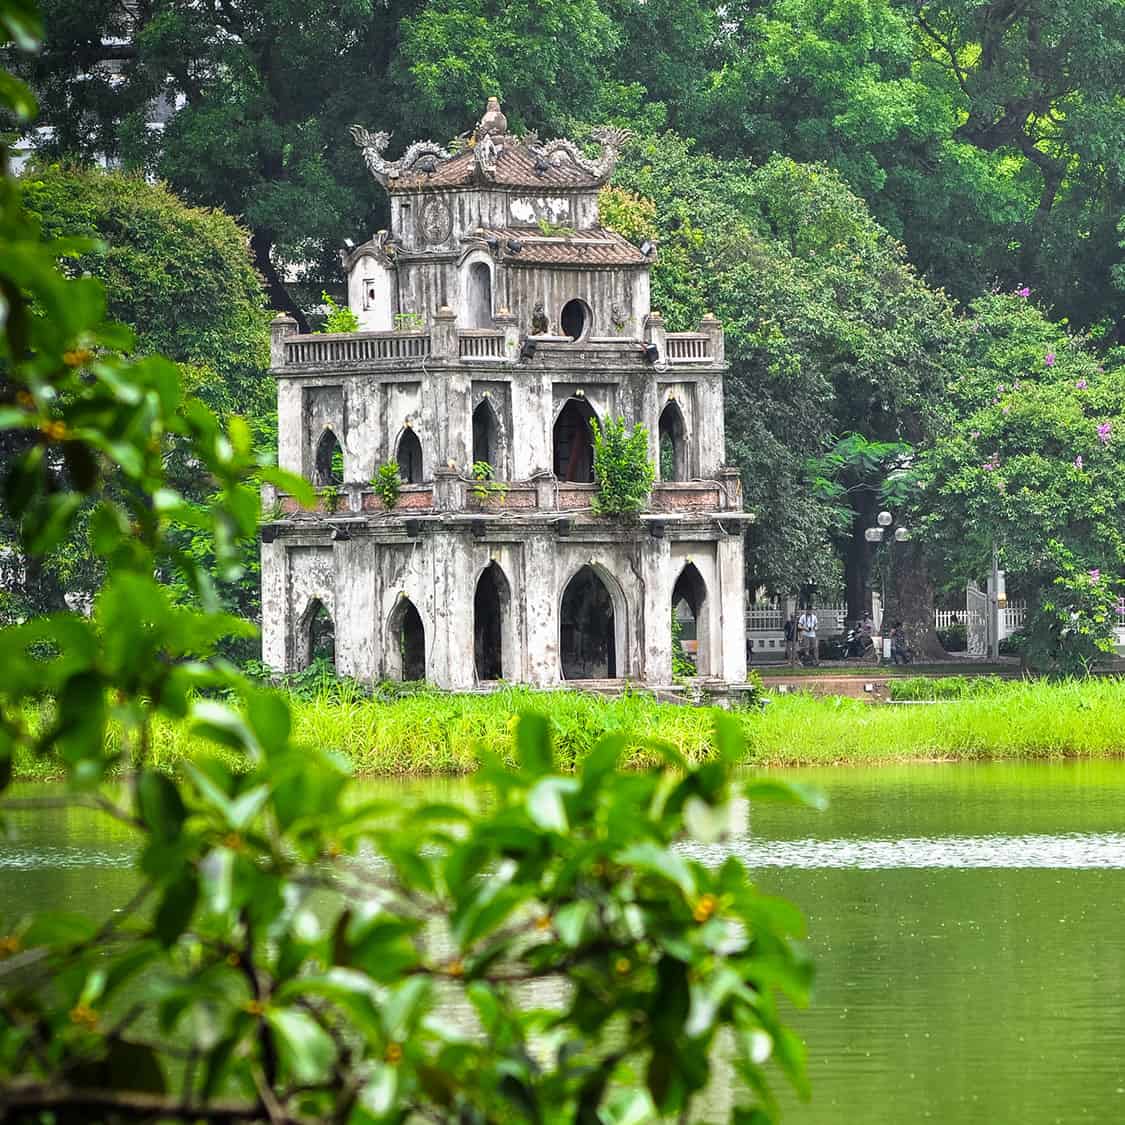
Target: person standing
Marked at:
789, 629
806, 626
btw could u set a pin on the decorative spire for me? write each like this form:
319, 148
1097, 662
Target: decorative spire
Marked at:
493, 120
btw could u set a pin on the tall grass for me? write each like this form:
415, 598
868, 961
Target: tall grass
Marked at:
1031, 719
430, 732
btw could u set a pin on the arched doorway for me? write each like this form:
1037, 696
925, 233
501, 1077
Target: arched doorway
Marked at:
329, 460
575, 319
406, 643
491, 605
673, 448
689, 612
479, 302
587, 629
574, 442
409, 458
486, 437
317, 636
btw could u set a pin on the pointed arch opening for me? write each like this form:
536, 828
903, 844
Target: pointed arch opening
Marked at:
673, 446
486, 437
329, 461
317, 636
491, 607
574, 442
409, 457
588, 643
690, 618
479, 302
406, 643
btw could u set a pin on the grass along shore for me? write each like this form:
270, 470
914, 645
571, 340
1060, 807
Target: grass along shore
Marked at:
428, 733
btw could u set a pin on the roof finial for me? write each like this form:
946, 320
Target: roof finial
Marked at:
493, 120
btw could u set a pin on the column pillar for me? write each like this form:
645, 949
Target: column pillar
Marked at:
732, 620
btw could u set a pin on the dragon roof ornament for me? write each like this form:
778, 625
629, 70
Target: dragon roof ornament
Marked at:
612, 141
421, 156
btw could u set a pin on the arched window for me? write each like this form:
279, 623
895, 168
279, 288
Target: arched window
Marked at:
673, 448
491, 605
587, 629
479, 303
574, 442
486, 436
409, 457
689, 611
406, 643
329, 460
575, 319
317, 635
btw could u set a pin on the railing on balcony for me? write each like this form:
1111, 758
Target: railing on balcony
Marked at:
355, 347
688, 347
481, 343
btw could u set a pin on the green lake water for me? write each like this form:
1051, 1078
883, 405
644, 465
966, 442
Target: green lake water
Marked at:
966, 922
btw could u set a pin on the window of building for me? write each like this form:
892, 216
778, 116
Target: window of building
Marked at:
329, 460
406, 643
575, 319
486, 436
673, 447
409, 458
574, 442
318, 636
479, 296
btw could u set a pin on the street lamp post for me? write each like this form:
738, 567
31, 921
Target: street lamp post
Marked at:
877, 534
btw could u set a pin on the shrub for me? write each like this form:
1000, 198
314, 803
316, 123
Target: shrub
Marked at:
955, 638
387, 484
340, 318
622, 468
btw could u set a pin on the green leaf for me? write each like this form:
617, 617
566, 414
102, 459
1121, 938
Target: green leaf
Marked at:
177, 905
59, 928
545, 803
533, 744
160, 805
306, 1048
793, 792
571, 921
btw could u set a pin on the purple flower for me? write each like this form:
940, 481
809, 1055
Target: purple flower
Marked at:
1016, 385
1005, 409
1081, 384
1078, 461
992, 464
1105, 430
999, 388
1049, 359
975, 434
1023, 291
1095, 574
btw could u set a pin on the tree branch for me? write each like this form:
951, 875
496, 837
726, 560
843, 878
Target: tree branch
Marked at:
130, 1105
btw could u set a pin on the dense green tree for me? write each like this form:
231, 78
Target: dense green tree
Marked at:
829, 331
181, 278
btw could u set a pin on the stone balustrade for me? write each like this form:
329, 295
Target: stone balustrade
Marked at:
544, 494
445, 343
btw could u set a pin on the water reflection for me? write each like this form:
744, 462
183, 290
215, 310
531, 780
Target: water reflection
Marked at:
1074, 851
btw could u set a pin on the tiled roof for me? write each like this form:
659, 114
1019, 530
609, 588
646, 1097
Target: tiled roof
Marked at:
515, 167
594, 246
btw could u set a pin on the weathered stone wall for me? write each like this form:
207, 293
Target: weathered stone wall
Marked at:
364, 580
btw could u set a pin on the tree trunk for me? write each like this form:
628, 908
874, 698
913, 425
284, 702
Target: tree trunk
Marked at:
857, 558
910, 599
261, 244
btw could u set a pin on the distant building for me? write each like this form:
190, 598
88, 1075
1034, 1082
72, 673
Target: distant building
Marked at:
497, 318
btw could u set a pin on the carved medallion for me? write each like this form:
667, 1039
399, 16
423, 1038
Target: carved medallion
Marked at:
435, 224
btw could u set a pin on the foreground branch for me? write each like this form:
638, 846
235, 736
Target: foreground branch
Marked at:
127, 1104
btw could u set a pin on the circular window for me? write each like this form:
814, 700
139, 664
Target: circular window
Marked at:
575, 319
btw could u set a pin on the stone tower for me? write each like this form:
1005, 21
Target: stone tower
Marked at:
496, 319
